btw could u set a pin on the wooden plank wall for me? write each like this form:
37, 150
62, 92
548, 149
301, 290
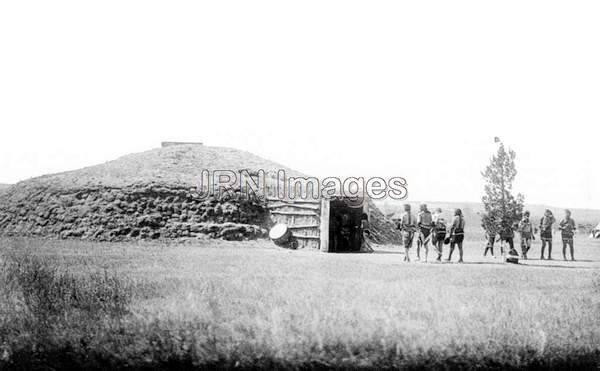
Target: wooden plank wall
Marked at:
303, 217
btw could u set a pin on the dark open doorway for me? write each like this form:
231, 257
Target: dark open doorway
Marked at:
345, 231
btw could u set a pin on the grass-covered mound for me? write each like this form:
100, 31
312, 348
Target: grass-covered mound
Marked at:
147, 195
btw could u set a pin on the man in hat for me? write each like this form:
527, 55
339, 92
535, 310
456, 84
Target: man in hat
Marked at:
407, 226
425, 225
525, 230
567, 230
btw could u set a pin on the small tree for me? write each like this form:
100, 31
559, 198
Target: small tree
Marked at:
502, 209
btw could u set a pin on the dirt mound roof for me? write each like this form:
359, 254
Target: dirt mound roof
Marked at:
182, 164
152, 194
4, 187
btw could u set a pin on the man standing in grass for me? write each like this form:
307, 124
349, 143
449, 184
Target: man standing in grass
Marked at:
567, 230
439, 233
490, 238
526, 231
457, 234
508, 235
546, 233
406, 224
424, 224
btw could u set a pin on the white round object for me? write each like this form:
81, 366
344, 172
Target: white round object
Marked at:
278, 231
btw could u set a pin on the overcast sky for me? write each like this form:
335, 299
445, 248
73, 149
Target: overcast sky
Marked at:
413, 89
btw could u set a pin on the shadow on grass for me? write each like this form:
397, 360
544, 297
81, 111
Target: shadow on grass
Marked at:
553, 266
388, 252
562, 260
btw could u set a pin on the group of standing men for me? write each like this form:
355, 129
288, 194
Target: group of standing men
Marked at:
526, 231
432, 228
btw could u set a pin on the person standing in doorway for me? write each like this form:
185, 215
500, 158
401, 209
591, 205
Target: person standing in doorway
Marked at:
334, 231
365, 233
346, 233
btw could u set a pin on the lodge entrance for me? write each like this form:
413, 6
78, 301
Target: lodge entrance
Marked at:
345, 231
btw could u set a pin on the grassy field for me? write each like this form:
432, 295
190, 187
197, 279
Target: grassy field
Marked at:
245, 305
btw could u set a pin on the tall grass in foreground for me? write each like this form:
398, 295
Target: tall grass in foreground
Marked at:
54, 319
48, 314
274, 316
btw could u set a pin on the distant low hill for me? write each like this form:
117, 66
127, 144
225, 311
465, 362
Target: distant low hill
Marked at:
585, 218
